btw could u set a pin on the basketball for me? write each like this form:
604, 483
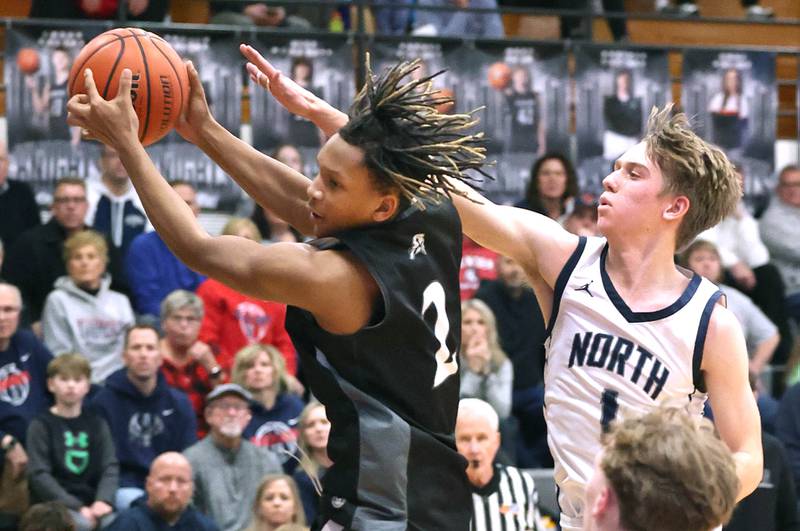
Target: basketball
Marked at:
160, 86
499, 75
28, 61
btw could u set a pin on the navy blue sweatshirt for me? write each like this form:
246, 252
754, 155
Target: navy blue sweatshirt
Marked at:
143, 427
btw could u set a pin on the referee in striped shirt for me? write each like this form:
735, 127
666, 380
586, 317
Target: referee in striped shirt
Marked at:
503, 497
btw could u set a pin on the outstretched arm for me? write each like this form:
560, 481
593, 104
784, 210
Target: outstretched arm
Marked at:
520, 234
295, 274
735, 413
269, 182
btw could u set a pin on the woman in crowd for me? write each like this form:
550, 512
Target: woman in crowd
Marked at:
260, 369
314, 429
277, 504
486, 372
271, 227
233, 320
553, 187
82, 314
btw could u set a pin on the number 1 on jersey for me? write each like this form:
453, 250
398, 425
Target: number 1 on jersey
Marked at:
446, 363
610, 406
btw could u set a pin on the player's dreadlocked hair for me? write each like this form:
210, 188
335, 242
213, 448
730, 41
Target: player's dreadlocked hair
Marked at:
407, 143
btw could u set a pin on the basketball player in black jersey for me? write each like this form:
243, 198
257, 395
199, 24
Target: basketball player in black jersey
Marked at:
373, 304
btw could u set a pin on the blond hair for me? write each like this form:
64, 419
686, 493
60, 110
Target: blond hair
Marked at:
693, 168
246, 358
85, 238
298, 516
235, 225
307, 462
669, 471
492, 338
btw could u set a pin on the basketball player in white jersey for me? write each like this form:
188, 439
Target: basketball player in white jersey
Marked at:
629, 330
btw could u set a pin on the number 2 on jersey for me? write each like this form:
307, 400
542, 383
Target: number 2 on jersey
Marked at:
446, 363
610, 406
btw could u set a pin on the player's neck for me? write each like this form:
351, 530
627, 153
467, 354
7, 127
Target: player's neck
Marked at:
642, 271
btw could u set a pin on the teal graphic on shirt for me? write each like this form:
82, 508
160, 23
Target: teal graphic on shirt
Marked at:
76, 456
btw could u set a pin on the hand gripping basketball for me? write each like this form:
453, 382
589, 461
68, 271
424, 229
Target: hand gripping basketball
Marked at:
112, 122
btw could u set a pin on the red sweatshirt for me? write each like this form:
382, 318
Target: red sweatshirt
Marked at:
233, 321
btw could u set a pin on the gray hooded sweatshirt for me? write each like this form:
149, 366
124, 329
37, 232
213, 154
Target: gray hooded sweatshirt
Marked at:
93, 325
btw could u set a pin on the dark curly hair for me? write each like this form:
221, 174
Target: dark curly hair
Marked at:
408, 145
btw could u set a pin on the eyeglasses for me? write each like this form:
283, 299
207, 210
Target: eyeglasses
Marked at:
68, 200
230, 406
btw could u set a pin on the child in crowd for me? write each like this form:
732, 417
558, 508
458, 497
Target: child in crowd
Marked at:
70, 451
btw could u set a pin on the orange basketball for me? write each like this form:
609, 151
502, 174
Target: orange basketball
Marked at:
499, 75
28, 61
160, 83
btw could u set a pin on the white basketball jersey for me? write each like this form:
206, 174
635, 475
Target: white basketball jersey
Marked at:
607, 362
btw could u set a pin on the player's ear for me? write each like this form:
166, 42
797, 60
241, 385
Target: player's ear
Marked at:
677, 208
603, 501
387, 207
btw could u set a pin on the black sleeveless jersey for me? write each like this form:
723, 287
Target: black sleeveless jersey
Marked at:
391, 389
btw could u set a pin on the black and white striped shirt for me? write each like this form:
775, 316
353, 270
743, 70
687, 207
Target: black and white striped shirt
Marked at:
508, 502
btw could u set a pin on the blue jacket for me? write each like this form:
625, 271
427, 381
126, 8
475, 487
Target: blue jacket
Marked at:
276, 428
23, 383
144, 427
154, 272
139, 517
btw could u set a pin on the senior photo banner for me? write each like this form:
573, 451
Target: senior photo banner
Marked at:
615, 90
731, 98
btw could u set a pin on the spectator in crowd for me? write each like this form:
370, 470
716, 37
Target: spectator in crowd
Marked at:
553, 187
522, 332
227, 468
582, 220
477, 264
37, 258
153, 271
665, 470
393, 18
277, 503
275, 410
503, 497
773, 505
18, 209
71, 453
234, 320
139, 10
787, 427
47, 516
458, 22
486, 372
314, 428
243, 228
82, 314
169, 488
745, 260
147, 417
256, 14
779, 232
114, 206
187, 363
23, 376
760, 333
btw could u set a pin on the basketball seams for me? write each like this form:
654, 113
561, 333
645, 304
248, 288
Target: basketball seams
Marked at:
147, 84
86, 60
114, 68
175, 70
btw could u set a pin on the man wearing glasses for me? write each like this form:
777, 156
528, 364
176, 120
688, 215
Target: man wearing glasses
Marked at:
36, 259
23, 392
779, 232
228, 468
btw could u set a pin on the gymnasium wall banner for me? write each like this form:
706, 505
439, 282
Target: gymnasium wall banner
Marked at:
615, 90
42, 147
220, 65
322, 65
731, 98
524, 92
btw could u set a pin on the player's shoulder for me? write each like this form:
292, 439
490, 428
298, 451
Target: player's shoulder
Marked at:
724, 338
